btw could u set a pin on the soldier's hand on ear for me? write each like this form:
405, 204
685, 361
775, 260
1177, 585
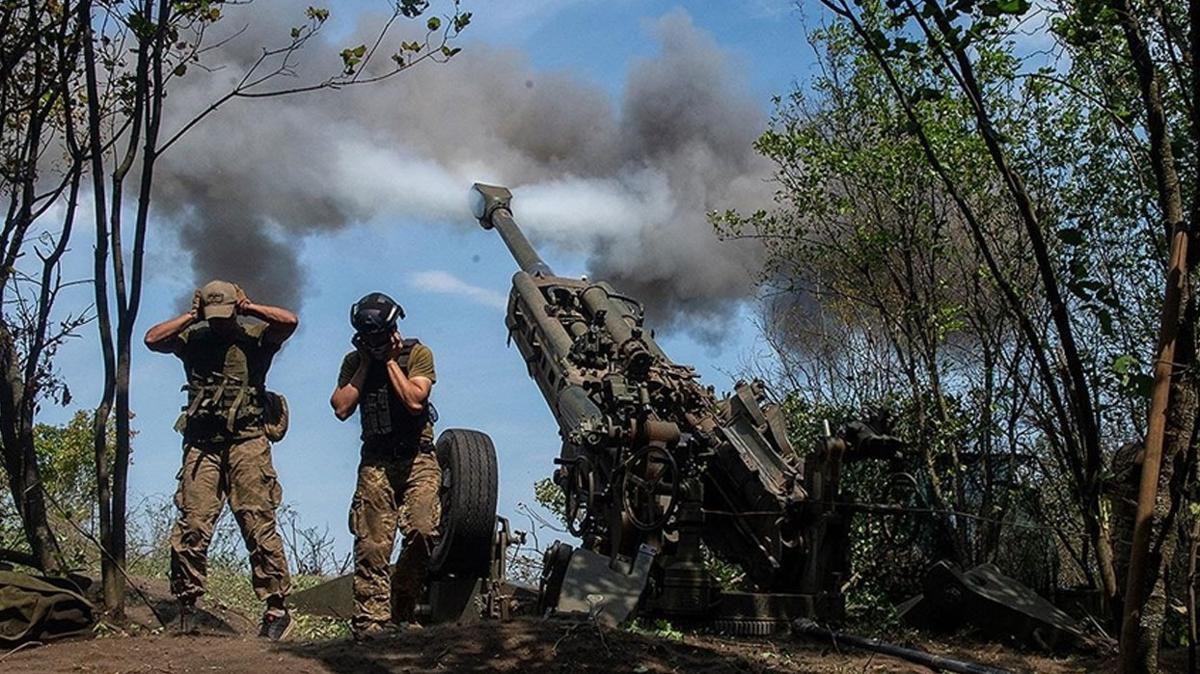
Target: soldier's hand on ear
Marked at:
197, 309
364, 352
397, 344
242, 300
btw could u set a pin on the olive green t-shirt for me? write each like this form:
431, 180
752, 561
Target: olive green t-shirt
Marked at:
408, 430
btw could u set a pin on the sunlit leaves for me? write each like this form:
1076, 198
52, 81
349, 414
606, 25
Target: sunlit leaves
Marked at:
1004, 7
412, 8
352, 56
461, 21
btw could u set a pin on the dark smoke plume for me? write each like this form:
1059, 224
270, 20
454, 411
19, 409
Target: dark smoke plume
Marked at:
627, 185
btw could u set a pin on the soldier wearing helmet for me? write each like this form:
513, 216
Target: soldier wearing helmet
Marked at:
227, 425
388, 380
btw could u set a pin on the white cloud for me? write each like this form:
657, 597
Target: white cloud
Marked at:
443, 282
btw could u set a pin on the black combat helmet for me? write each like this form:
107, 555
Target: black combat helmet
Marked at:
375, 313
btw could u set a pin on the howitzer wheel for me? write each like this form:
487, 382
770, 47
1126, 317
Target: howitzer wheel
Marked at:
469, 488
554, 570
650, 476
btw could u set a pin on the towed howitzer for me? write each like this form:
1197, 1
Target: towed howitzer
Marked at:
656, 469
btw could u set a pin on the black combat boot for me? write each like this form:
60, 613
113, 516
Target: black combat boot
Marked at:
189, 622
276, 624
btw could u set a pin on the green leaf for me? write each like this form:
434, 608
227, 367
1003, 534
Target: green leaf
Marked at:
434, 23
1002, 7
929, 94
1070, 236
413, 8
878, 39
140, 25
351, 57
1122, 364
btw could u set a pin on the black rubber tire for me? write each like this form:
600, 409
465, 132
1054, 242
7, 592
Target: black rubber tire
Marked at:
469, 489
554, 570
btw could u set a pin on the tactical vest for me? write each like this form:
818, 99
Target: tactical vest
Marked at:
385, 418
223, 403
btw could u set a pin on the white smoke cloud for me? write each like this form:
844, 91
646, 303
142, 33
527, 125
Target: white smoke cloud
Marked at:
628, 185
444, 283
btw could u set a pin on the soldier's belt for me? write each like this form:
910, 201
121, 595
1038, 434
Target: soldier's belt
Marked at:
388, 448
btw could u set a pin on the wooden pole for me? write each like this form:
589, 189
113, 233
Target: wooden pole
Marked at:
1164, 367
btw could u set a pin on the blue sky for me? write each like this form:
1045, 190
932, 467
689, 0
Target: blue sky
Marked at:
450, 277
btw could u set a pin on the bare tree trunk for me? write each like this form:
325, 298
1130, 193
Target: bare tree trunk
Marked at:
47, 39
1193, 633
1173, 405
1180, 432
112, 583
20, 459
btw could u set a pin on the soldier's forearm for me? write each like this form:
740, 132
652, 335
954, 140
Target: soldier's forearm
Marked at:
168, 329
413, 395
345, 398
281, 323
273, 315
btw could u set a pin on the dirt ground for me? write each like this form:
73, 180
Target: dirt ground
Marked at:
525, 645
227, 644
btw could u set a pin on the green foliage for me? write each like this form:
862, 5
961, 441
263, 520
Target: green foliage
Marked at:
461, 21
551, 497
660, 629
230, 589
807, 419
879, 292
412, 8
351, 57
67, 459
67, 463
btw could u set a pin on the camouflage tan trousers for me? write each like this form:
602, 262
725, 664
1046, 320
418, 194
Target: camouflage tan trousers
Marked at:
393, 493
240, 472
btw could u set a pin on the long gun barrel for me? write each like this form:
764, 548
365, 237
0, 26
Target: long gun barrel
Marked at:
491, 207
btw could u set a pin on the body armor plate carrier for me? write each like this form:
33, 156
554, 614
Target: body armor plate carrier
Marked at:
382, 413
221, 407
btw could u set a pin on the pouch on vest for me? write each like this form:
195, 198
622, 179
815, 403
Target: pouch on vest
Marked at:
220, 407
275, 415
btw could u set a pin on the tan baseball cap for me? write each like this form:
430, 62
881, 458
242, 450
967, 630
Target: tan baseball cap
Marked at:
218, 299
